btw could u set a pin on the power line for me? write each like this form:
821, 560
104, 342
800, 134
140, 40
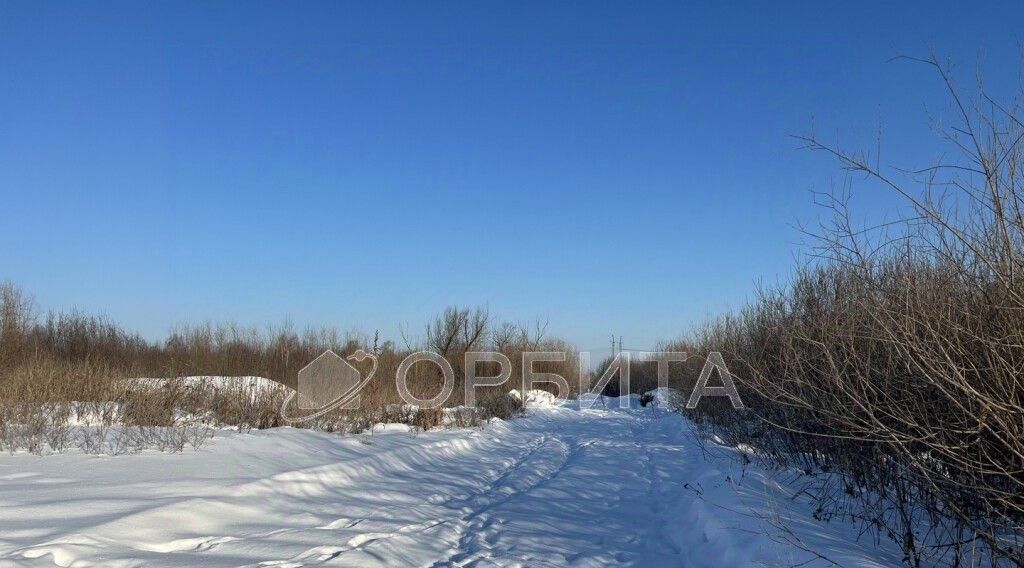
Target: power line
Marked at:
617, 347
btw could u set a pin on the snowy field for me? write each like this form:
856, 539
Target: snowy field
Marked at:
559, 487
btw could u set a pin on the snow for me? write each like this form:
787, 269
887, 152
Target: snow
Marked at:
558, 487
537, 398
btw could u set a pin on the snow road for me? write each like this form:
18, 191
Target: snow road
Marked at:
560, 487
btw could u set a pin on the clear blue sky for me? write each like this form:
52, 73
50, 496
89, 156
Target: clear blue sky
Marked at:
612, 167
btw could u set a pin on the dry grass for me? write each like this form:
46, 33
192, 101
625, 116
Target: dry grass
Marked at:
64, 378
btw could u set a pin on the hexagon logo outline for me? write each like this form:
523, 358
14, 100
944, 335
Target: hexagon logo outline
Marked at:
324, 380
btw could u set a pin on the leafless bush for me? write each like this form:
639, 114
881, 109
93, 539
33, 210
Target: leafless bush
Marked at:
58, 432
94, 434
503, 406
151, 406
197, 433
457, 330
18, 314
464, 417
428, 418
890, 369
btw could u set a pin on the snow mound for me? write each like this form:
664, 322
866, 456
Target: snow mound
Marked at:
536, 398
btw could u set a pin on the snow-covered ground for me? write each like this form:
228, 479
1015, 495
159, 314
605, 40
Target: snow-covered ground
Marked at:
558, 487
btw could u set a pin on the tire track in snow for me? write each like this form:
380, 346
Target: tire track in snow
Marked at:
472, 544
326, 554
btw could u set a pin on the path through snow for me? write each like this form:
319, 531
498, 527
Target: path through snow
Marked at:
558, 487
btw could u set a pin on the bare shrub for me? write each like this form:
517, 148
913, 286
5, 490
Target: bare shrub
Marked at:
151, 406
464, 417
889, 369
428, 418
94, 436
503, 406
457, 330
58, 430
197, 432
18, 313
246, 407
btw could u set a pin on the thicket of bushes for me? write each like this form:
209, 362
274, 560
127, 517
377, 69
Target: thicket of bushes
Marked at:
70, 368
891, 369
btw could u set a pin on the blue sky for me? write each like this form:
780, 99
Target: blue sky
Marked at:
613, 168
